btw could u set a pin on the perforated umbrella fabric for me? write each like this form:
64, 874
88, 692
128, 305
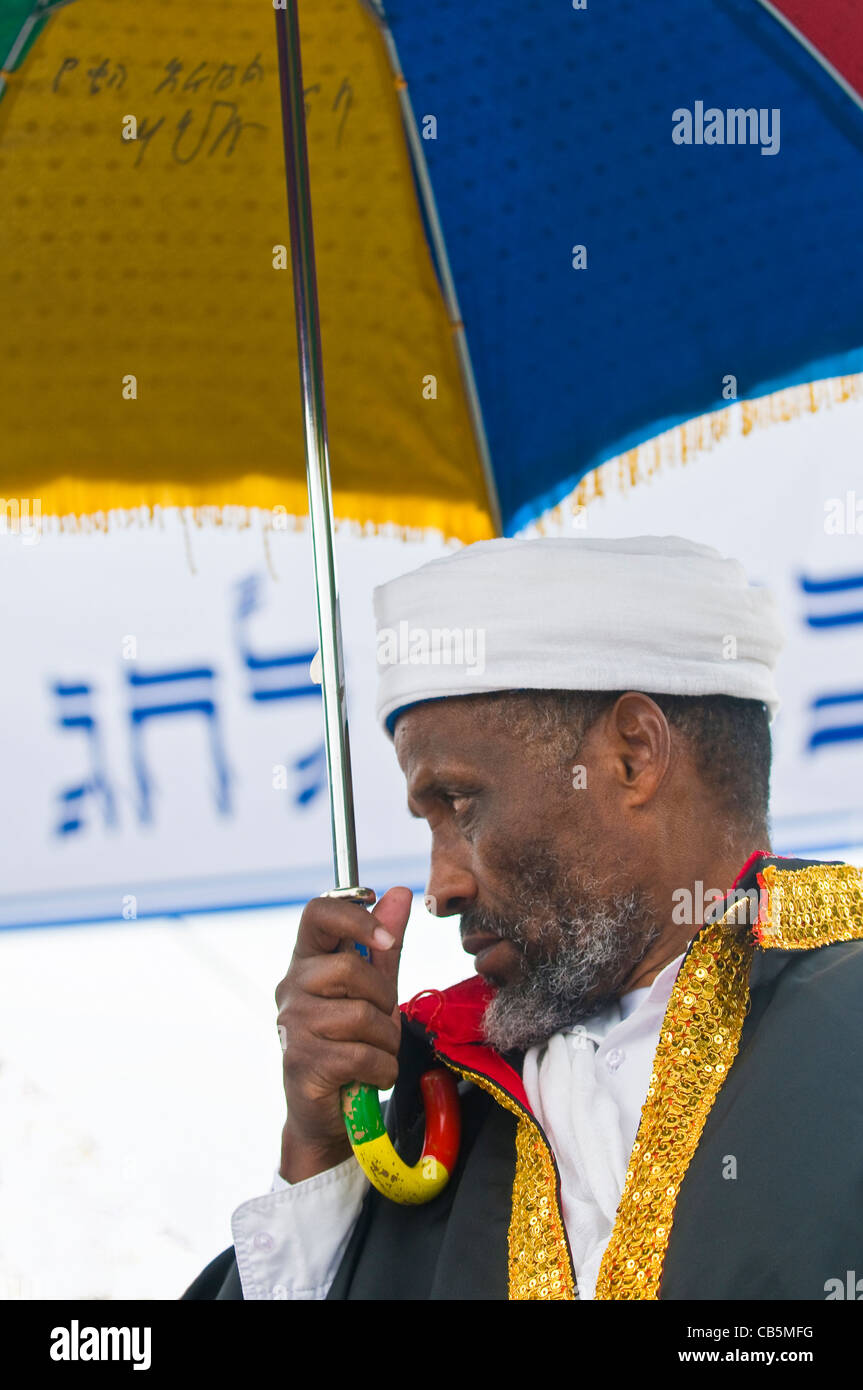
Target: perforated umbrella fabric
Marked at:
555, 130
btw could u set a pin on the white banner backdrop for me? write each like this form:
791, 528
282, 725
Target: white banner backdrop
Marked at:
162, 741
161, 737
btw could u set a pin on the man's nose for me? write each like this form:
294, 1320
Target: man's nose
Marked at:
451, 886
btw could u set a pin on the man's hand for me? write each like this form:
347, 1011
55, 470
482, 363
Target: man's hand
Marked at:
339, 1022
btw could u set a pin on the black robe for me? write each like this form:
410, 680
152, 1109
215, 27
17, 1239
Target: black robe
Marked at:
771, 1204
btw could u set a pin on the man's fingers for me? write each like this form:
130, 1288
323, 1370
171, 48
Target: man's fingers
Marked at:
342, 976
355, 1020
327, 922
346, 1063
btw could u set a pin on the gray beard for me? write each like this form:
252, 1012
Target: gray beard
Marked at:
578, 948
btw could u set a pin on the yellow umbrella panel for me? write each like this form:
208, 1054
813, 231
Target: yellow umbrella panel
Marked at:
150, 354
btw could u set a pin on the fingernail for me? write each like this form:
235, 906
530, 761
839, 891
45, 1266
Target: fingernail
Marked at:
382, 938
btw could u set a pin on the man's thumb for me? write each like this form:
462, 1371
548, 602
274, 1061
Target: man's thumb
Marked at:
391, 912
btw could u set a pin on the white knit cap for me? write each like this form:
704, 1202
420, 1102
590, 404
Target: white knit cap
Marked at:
653, 613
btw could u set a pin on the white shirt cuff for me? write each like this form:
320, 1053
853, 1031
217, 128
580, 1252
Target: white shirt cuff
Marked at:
290, 1242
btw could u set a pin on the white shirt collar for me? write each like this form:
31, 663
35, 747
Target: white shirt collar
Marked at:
598, 1025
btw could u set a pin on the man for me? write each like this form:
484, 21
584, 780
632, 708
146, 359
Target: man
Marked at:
660, 1055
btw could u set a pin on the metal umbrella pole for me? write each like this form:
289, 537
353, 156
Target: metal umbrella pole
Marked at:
360, 1103
317, 455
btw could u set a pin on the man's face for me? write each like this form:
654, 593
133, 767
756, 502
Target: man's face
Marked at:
535, 862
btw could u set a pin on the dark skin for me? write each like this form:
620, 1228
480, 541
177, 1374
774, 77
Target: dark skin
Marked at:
643, 819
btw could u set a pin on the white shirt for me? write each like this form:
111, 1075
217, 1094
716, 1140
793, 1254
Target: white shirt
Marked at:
586, 1087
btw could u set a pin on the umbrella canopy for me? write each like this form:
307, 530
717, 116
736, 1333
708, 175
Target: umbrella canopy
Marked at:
608, 222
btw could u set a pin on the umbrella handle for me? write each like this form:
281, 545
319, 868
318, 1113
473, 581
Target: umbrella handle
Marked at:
364, 1121
373, 1149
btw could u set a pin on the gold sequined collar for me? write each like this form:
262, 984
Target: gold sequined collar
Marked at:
797, 909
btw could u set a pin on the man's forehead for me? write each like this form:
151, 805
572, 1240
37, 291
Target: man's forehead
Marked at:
447, 731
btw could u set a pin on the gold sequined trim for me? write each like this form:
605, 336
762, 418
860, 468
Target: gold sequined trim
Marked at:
697, 1044
699, 1039
811, 907
539, 1262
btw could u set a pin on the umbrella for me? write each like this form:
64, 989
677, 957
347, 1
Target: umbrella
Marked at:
502, 178
623, 220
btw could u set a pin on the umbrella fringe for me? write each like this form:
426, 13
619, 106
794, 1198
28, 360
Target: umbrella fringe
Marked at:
462, 522
56, 521
693, 438
230, 516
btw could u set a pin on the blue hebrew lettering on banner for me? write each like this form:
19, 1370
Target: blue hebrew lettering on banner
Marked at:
167, 695
312, 780
283, 676
280, 676
76, 712
835, 611
838, 733
835, 603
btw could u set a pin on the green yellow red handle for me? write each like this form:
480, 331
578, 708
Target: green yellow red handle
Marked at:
374, 1151
364, 1121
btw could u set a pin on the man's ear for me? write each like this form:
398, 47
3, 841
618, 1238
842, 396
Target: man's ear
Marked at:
641, 740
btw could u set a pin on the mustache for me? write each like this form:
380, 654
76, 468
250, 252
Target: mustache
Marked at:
477, 919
